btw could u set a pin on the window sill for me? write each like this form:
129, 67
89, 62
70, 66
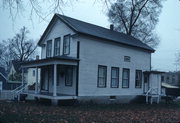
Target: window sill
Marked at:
125, 87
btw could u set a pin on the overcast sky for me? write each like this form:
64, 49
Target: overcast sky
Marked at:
168, 27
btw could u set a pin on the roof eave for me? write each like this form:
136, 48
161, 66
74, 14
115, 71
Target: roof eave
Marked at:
46, 30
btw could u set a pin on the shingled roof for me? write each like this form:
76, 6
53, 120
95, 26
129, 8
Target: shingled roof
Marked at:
99, 32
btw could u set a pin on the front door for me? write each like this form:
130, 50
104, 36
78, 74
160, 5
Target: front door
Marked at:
146, 83
46, 78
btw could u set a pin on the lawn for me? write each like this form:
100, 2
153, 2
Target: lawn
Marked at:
31, 112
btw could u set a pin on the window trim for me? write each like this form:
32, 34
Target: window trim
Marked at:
64, 44
71, 84
105, 77
59, 46
117, 68
47, 49
140, 80
128, 77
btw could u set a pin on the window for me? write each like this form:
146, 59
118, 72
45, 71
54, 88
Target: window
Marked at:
66, 45
146, 78
125, 78
167, 79
57, 43
114, 77
127, 58
173, 79
69, 76
34, 72
138, 82
102, 76
162, 78
49, 48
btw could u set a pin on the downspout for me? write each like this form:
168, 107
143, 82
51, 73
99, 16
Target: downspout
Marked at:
77, 69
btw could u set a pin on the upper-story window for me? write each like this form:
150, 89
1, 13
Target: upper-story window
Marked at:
127, 58
66, 45
57, 44
49, 48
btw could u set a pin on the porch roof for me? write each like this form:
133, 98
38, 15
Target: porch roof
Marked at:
153, 72
49, 61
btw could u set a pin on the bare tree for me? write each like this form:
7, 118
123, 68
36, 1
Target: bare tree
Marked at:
41, 8
137, 18
5, 55
21, 47
18, 48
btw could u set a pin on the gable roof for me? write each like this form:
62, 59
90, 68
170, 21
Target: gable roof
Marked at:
17, 65
98, 32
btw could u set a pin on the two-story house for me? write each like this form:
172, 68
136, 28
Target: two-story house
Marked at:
83, 61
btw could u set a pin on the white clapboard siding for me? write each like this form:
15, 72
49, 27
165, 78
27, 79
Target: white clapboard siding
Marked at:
59, 29
95, 52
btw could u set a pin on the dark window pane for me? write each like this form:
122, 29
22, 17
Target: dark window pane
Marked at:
102, 75
125, 79
66, 44
114, 77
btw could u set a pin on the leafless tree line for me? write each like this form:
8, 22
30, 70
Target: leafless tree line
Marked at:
19, 48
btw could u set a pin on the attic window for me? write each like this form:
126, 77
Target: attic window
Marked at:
127, 58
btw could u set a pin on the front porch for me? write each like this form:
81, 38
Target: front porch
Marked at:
56, 78
46, 95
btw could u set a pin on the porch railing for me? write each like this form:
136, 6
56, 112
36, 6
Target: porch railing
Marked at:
16, 92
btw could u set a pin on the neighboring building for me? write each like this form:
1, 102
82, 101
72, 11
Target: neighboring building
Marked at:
15, 75
84, 61
171, 78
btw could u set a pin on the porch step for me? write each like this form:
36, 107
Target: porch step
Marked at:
152, 95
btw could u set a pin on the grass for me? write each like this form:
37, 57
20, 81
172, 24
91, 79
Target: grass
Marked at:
31, 112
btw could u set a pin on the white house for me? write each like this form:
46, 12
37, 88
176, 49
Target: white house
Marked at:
83, 61
15, 76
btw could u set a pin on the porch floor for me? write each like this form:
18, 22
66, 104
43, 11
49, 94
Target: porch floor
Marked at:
47, 95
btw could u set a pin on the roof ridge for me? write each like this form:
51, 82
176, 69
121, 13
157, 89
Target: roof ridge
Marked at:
66, 21
86, 22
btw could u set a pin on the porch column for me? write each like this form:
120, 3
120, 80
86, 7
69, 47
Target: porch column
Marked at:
55, 80
36, 85
22, 76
